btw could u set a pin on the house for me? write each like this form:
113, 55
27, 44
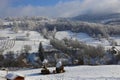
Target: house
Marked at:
11, 76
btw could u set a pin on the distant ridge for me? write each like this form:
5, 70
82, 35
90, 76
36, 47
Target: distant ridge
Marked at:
99, 18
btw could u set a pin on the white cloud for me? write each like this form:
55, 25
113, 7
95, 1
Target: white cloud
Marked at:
61, 9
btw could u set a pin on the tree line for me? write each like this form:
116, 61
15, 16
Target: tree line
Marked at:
93, 29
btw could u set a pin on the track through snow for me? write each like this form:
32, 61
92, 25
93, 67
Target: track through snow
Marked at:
106, 72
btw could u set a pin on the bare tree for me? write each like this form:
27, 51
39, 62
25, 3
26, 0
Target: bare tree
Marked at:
27, 34
44, 32
30, 24
27, 48
15, 27
54, 32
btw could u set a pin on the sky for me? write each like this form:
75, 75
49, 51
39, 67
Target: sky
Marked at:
57, 8
38, 2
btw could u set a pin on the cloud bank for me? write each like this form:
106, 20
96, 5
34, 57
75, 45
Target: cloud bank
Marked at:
61, 9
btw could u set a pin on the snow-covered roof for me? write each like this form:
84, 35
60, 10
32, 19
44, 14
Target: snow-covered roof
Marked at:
12, 76
45, 61
59, 64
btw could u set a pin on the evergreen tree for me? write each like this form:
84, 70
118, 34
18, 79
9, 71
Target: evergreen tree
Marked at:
41, 52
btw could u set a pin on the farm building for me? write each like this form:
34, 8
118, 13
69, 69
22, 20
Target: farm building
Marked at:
11, 76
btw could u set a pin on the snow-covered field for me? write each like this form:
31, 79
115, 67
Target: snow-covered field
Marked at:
81, 37
33, 40
117, 39
110, 72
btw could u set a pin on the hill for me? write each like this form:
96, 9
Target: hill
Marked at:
99, 18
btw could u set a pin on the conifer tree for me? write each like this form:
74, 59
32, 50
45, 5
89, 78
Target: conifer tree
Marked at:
41, 52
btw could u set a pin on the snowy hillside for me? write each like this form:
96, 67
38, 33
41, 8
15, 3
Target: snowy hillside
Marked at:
83, 37
99, 18
75, 73
32, 40
117, 39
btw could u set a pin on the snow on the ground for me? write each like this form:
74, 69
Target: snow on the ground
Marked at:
81, 37
2, 75
7, 23
63, 34
35, 37
117, 39
109, 47
106, 72
33, 40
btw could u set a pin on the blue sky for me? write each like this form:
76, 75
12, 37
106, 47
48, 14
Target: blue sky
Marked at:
37, 2
57, 8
